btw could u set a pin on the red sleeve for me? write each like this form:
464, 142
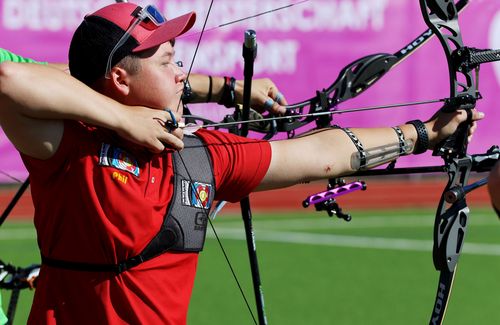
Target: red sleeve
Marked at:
239, 164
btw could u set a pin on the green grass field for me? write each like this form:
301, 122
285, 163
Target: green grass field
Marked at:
377, 269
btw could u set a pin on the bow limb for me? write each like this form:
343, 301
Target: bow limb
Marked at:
451, 221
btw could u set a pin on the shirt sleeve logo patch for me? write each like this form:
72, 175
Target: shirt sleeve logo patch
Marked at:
196, 194
118, 158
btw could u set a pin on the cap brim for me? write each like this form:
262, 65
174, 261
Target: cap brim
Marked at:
168, 31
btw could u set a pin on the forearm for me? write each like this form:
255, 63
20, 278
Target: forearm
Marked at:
324, 154
61, 66
204, 90
264, 95
42, 92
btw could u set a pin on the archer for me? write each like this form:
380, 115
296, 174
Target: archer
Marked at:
115, 207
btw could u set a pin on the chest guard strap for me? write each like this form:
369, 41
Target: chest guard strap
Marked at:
194, 184
185, 223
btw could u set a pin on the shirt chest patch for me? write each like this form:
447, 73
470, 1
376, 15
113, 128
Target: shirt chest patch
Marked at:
118, 158
196, 194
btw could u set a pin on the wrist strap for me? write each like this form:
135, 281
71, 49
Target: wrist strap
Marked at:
401, 140
359, 146
228, 97
422, 143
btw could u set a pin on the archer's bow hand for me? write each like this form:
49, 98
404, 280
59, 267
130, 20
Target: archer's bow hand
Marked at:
265, 96
443, 125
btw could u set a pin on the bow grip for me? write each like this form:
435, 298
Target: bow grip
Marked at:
456, 144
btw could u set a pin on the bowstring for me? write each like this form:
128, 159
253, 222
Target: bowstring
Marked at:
244, 18
192, 183
318, 114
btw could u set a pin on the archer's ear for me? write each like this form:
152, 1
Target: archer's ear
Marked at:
120, 80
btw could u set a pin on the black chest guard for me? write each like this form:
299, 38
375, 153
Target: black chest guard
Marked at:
185, 223
186, 218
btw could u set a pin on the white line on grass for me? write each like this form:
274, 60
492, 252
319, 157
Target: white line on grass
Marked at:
324, 239
376, 221
352, 241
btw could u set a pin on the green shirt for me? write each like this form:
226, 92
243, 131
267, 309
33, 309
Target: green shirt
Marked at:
9, 56
3, 318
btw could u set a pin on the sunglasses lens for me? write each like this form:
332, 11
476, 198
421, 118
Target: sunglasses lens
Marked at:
155, 15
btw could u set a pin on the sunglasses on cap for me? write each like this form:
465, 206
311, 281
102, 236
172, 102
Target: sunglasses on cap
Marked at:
150, 17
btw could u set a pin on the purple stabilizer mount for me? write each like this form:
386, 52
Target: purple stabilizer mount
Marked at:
334, 192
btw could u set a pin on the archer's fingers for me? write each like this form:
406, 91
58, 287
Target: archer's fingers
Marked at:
279, 98
170, 135
170, 117
276, 102
166, 140
274, 107
460, 116
179, 134
172, 139
472, 130
476, 115
279, 103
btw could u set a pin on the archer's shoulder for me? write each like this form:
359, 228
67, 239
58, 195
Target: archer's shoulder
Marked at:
214, 137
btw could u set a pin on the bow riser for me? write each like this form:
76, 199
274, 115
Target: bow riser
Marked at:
451, 222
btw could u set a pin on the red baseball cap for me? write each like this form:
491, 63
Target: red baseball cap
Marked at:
123, 15
97, 35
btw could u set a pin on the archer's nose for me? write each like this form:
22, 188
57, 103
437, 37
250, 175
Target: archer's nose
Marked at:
180, 74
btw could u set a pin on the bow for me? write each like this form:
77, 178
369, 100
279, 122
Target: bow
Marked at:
441, 16
451, 222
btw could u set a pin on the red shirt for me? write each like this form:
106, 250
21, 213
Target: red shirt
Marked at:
101, 200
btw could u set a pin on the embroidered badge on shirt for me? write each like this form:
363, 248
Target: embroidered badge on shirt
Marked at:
196, 194
118, 158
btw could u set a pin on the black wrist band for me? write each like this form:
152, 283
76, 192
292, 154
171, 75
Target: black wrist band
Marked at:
422, 143
209, 96
228, 97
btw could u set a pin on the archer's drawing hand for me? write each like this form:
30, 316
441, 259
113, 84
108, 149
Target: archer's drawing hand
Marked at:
150, 128
442, 125
265, 96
